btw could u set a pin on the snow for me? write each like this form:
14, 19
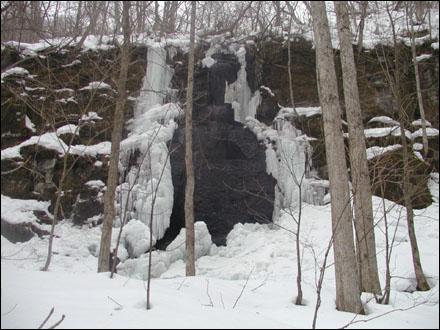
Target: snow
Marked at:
377, 151
90, 116
96, 85
137, 238
29, 124
68, 129
419, 122
95, 184
385, 120
162, 260
52, 141
267, 89
18, 211
430, 131
383, 132
250, 283
301, 111
75, 62
423, 57
15, 70
208, 61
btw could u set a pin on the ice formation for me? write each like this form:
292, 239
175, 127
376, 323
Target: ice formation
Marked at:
288, 160
145, 194
162, 260
239, 95
288, 152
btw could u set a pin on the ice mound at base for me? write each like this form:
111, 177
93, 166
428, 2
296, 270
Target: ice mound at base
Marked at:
162, 260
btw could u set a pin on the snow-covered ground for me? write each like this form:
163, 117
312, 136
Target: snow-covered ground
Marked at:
250, 283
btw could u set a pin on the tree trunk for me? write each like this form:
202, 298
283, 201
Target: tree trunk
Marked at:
189, 188
422, 284
364, 6
360, 177
419, 89
346, 274
112, 181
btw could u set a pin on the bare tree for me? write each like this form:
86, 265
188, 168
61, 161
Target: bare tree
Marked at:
112, 181
189, 164
363, 209
395, 81
347, 279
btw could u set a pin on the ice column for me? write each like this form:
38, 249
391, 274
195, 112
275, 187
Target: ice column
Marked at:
156, 81
239, 95
146, 190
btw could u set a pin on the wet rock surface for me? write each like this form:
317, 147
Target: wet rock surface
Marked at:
231, 183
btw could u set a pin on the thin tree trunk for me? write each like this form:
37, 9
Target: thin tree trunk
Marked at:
419, 89
55, 213
189, 188
422, 284
77, 29
364, 5
346, 274
363, 209
112, 181
90, 28
289, 63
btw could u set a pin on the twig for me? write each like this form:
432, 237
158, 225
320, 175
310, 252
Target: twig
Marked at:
262, 283
114, 301
221, 298
9, 310
244, 286
181, 284
383, 314
211, 304
58, 323
47, 318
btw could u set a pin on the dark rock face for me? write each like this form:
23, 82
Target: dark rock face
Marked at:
387, 173
231, 183
20, 232
45, 104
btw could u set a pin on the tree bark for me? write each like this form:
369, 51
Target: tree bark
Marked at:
189, 188
346, 274
360, 177
112, 181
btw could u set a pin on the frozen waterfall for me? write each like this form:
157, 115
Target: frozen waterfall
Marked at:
145, 192
288, 160
288, 151
239, 95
